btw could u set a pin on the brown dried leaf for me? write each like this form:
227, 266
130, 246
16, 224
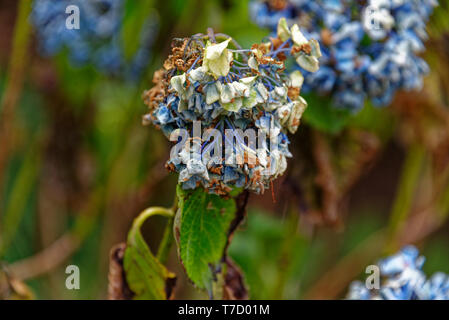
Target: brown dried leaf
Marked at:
234, 286
118, 288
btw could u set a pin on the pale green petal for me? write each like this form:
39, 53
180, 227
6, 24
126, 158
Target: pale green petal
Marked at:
283, 31
219, 86
298, 109
241, 90
212, 94
233, 106
253, 64
248, 80
214, 51
316, 50
284, 113
308, 63
217, 58
183, 105
251, 100
270, 107
297, 36
220, 66
227, 93
281, 92
190, 92
199, 74
262, 91
177, 83
296, 79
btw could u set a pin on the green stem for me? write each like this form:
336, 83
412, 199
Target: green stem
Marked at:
153, 211
147, 213
21, 189
443, 205
166, 242
16, 74
168, 238
403, 202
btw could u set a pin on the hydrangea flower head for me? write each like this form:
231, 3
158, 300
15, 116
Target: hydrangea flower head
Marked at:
370, 48
97, 41
404, 280
210, 81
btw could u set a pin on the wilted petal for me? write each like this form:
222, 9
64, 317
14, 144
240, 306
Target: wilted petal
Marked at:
283, 31
308, 63
296, 79
217, 58
212, 94
177, 83
297, 36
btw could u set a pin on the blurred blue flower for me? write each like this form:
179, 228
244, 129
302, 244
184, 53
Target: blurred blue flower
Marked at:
403, 279
370, 48
97, 41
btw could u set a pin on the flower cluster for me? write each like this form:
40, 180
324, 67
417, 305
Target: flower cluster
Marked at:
370, 48
225, 88
97, 41
404, 280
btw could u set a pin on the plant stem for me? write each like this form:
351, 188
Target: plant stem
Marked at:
138, 222
168, 238
443, 205
21, 189
166, 242
15, 78
147, 213
404, 197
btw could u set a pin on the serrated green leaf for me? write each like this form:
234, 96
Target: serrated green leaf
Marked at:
145, 275
201, 229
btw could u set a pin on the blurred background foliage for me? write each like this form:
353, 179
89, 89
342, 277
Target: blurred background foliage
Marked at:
76, 166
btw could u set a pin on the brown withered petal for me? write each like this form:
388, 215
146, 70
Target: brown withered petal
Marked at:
117, 287
277, 5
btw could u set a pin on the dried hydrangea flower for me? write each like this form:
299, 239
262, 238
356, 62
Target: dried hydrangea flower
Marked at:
403, 280
224, 89
97, 41
370, 48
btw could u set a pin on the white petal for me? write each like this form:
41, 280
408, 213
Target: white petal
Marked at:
214, 51
177, 83
296, 79
297, 36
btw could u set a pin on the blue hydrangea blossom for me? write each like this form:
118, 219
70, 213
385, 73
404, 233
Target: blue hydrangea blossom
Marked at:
370, 48
97, 41
404, 280
231, 88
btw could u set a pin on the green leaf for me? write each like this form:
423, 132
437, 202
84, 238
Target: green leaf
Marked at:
201, 227
322, 115
145, 275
